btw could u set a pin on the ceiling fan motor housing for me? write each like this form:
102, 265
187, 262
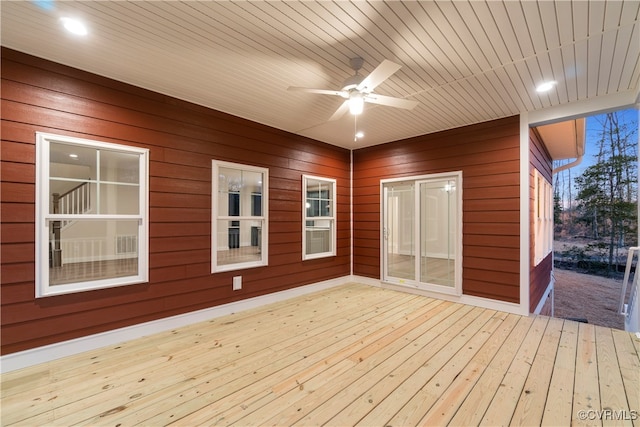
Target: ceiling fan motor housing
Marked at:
356, 63
353, 81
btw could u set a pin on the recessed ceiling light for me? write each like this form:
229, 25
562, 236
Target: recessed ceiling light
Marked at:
74, 26
359, 134
73, 156
545, 86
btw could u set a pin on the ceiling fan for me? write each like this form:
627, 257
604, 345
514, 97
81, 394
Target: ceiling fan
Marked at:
358, 89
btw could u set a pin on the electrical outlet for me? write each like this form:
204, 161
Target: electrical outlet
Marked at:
237, 283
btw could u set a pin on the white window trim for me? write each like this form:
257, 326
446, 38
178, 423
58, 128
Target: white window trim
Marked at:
44, 218
332, 219
215, 166
542, 217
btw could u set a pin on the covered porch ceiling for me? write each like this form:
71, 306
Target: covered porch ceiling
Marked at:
463, 62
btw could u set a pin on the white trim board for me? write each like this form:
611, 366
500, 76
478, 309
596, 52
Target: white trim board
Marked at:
548, 293
525, 220
586, 107
487, 303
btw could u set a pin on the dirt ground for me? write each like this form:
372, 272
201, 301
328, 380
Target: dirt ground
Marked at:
584, 296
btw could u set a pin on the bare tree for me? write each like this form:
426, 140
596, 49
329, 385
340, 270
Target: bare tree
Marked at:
607, 190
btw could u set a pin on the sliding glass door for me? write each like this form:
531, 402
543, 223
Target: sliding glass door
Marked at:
422, 232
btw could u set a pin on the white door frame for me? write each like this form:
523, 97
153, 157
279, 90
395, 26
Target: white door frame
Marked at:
456, 290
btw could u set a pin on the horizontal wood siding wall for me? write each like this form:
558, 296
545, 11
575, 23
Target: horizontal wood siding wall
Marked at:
488, 156
539, 275
183, 138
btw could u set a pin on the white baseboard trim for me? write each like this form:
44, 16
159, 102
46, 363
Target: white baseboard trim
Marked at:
462, 299
47, 353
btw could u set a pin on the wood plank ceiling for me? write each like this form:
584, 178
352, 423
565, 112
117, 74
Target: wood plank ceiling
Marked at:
463, 61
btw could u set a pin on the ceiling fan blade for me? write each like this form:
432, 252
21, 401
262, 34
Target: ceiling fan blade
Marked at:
377, 76
340, 111
320, 91
390, 101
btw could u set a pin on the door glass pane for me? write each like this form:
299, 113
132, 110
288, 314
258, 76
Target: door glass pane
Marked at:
399, 231
437, 232
92, 250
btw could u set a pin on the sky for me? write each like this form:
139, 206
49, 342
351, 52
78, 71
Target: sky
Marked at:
593, 129
592, 133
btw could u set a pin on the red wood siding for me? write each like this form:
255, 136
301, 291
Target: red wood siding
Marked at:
488, 156
183, 138
539, 275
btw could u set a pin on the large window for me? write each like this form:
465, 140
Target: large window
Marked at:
319, 224
239, 221
92, 215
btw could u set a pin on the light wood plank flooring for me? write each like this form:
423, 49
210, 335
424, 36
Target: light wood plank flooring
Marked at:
352, 355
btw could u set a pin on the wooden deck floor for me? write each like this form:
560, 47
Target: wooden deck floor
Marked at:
352, 355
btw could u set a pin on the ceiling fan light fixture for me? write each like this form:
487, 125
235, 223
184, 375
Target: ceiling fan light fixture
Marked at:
356, 103
357, 90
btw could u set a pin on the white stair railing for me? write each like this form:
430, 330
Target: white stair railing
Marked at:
75, 201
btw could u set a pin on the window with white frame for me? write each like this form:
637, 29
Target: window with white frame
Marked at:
543, 217
319, 222
92, 215
239, 236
